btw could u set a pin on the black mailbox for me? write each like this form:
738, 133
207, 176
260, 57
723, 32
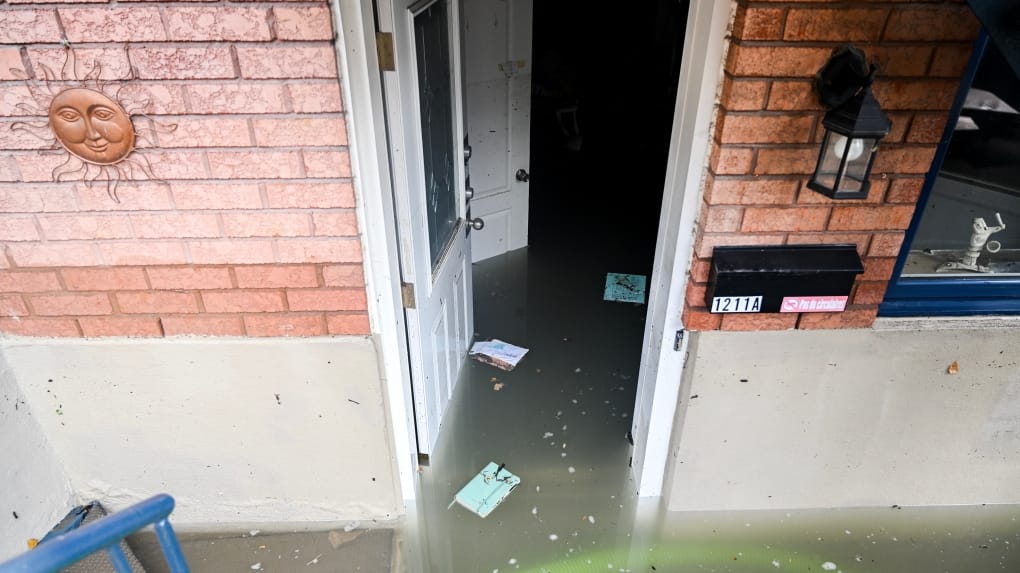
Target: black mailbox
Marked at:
785, 278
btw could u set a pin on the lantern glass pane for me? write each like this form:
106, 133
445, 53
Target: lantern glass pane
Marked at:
855, 171
827, 171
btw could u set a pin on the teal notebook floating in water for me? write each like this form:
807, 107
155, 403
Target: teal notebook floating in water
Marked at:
487, 489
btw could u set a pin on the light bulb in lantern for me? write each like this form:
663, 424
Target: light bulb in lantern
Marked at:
839, 146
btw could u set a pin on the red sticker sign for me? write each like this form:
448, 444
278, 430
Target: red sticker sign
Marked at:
813, 304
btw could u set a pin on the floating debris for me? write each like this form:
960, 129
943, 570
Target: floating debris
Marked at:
591, 519
497, 386
829, 566
548, 435
571, 469
502, 355
625, 288
256, 567
553, 537
487, 489
953, 368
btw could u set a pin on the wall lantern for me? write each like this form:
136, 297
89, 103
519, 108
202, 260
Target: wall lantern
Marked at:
853, 125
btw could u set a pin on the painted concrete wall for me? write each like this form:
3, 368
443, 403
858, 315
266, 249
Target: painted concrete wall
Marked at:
848, 418
35, 491
236, 430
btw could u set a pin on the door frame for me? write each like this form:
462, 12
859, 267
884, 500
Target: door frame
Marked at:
661, 364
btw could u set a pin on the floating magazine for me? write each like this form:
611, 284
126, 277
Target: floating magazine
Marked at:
487, 489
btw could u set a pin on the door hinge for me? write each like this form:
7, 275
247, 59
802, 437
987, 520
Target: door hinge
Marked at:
678, 341
384, 48
407, 294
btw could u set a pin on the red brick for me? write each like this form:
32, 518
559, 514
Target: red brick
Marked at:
722, 219
284, 324
120, 326
9, 170
932, 24
190, 277
238, 252
809, 196
700, 270
267, 224
327, 163
886, 245
18, 229
751, 191
10, 59
13, 137
218, 24
216, 195
319, 250
40, 326
775, 61
38, 166
104, 279
277, 276
156, 63
870, 292
905, 191
17, 281
13, 95
950, 60
927, 128
870, 218
51, 254
743, 95
759, 321
170, 165
348, 324
695, 295
29, 26
829, 238
904, 159
793, 95
244, 301
282, 132
786, 161
836, 25
698, 320
287, 61
29, 198
86, 227
765, 219
70, 304
153, 99
13, 305
853, 317
310, 195
203, 325
933, 94
878, 269
143, 253
113, 62
766, 128
707, 241
343, 275
155, 302
758, 23
315, 97
133, 196
206, 132
108, 24
306, 23
176, 225
337, 224
252, 97
900, 61
327, 299
254, 164
729, 160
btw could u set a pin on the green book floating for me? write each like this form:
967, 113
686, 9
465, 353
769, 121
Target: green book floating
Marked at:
487, 489
625, 288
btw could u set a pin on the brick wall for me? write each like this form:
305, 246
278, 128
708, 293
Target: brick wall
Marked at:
768, 132
252, 231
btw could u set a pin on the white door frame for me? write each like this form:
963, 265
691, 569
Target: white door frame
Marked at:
659, 381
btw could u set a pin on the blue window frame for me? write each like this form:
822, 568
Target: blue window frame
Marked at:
964, 293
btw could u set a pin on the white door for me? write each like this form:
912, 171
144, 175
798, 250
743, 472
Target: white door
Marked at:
497, 84
425, 117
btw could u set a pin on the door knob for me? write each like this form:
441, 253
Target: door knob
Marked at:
477, 224
469, 192
522, 176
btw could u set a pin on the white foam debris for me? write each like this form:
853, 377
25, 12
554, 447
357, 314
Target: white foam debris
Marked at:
548, 435
512, 561
351, 526
571, 469
256, 567
577, 370
563, 454
314, 561
254, 532
564, 445
574, 400
553, 537
564, 427
847, 531
534, 510
538, 489
559, 413
829, 566
591, 519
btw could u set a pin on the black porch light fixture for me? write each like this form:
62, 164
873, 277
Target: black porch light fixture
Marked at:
853, 125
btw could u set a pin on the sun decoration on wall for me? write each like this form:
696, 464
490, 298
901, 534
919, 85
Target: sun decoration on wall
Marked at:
92, 122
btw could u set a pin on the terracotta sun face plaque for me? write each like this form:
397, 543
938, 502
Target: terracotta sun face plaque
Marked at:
91, 126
